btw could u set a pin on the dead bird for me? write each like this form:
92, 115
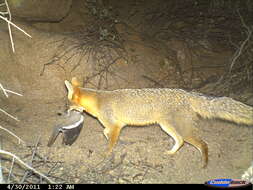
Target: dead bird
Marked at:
70, 127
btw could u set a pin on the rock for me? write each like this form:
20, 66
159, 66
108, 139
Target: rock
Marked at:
37, 10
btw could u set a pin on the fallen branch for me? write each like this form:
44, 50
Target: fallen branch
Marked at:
6, 91
31, 161
11, 23
19, 139
10, 172
9, 26
8, 12
11, 116
26, 165
1, 169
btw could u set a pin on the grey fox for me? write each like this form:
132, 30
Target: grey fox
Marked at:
175, 110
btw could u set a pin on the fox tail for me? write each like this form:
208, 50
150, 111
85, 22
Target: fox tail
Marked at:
223, 108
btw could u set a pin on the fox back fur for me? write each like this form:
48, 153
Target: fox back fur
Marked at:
175, 110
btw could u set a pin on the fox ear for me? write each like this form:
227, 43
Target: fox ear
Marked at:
75, 82
70, 89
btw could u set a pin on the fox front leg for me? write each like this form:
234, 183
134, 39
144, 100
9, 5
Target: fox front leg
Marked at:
111, 132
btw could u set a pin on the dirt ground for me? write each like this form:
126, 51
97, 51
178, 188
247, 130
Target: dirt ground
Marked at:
139, 156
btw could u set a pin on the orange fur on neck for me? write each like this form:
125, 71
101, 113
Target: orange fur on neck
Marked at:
86, 100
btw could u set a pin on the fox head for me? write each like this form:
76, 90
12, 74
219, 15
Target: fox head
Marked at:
80, 98
72, 87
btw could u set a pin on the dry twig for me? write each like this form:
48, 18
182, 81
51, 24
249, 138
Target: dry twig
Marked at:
239, 51
9, 23
32, 158
1, 169
6, 91
19, 139
26, 165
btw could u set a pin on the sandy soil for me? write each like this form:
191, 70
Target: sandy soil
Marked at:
139, 156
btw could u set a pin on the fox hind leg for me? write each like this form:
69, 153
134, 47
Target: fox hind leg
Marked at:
201, 146
179, 141
185, 123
